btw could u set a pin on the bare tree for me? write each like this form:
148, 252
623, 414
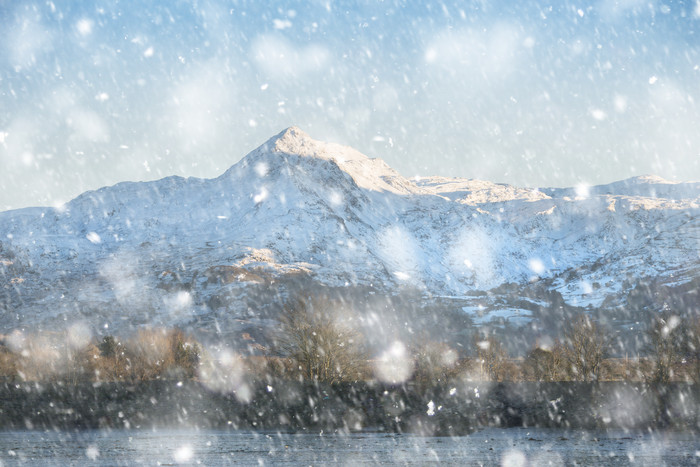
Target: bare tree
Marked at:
492, 358
80, 364
546, 364
186, 353
586, 346
112, 364
434, 362
692, 347
324, 347
156, 353
665, 346
8, 363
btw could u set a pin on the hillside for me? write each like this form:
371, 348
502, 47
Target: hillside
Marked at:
221, 255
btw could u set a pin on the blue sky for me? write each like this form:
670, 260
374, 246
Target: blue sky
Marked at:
527, 93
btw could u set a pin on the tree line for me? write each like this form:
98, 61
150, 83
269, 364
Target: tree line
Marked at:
314, 344
331, 350
150, 354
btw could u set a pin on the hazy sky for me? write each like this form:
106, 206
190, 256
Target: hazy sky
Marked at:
528, 93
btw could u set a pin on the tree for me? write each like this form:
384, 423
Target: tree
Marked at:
492, 358
586, 346
434, 362
161, 353
545, 364
109, 347
692, 347
324, 347
665, 346
8, 363
80, 364
186, 353
112, 364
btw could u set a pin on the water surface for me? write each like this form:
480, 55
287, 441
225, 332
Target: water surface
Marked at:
513, 446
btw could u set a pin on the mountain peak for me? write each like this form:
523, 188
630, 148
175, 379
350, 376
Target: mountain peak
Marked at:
369, 173
290, 140
294, 140
299, 213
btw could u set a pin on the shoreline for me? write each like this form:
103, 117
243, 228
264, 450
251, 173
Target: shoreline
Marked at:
297, 407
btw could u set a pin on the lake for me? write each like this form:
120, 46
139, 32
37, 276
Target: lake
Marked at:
492, 446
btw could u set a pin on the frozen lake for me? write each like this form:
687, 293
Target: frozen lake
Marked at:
513, 446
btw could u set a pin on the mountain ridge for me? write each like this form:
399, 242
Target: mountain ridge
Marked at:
190, 251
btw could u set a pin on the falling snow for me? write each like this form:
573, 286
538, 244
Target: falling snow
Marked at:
487, 253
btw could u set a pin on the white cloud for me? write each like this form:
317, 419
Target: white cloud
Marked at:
279, 58
385, 98
87, 126
668, 97
18, 141
26, 41
489, 52
613, 9
671, 129
200, 106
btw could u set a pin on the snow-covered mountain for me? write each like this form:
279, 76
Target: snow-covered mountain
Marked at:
296, 213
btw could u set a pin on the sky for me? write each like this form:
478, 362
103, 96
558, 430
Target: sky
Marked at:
529, 93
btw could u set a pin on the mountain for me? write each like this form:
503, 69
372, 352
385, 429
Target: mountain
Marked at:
300, 216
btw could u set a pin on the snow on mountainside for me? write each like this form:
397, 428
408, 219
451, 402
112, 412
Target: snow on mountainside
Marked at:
205, 252
475, 192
